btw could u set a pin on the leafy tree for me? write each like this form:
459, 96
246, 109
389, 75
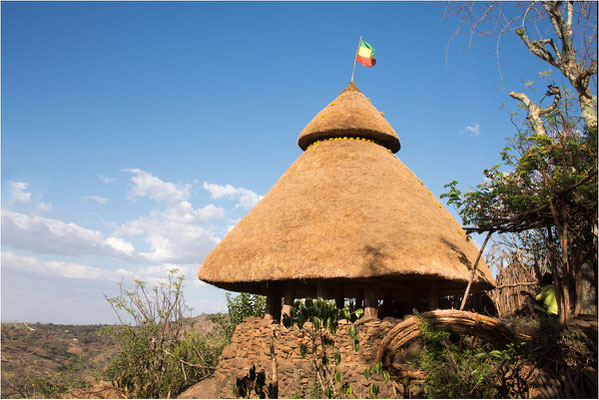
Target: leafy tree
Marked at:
548, 178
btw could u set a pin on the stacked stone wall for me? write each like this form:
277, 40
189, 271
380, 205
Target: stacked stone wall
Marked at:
251, 345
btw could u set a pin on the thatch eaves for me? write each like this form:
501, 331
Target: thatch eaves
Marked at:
347, 211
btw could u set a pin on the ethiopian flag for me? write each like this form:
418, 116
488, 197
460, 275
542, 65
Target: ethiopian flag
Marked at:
365, 53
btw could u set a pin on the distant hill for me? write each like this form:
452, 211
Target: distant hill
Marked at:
44, 350
61, 355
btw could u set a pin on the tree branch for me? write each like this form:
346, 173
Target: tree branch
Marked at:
186, 363
537, 49
551, 42
548, 8
561, 26
533, 111
553, 91
569, 21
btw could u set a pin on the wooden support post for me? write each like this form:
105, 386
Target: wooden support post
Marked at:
287, 300
269, 309
371, 302
321, 290
387, 308
273, 303
433, 295
340, 296
340, 301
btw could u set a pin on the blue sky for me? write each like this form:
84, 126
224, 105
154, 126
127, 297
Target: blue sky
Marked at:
136, 134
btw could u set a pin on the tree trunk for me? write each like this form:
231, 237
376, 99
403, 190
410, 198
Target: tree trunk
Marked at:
562, 231
588, 110
565, 272
555, 274
577, 261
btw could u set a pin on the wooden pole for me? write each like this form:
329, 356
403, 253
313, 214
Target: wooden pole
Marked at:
480, 253
432, 297
288, 300
340, 296
387, 307
269, 311
273, 303
321, 290
356, 59
371, 302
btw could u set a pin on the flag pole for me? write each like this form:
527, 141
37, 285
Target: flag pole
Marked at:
356, 59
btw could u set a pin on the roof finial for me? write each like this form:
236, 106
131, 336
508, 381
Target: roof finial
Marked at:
355, 59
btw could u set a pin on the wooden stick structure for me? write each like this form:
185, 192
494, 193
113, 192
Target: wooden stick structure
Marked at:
356, 59
480, 253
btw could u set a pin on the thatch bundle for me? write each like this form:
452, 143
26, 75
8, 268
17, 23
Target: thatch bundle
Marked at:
348, 213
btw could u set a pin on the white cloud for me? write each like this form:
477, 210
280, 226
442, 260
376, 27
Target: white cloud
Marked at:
152, 275
147, 185
44, 207
58, 237
183, 212
100, 200
473, 130
105, 179
19, 195
247, 198
120, 245
177, 233
172, 240
59, 268
218, 191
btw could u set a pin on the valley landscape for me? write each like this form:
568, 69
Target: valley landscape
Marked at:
53, 361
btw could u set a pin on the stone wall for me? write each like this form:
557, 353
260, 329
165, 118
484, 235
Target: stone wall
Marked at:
251, 345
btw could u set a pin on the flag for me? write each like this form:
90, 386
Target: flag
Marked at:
365, 53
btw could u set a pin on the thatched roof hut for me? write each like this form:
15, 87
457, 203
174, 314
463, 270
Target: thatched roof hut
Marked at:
347, 219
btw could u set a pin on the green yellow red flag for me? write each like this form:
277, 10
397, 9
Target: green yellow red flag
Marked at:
365, 54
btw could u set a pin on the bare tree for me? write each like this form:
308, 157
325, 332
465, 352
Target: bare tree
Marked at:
562, 34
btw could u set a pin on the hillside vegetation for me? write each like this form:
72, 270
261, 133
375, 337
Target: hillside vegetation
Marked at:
50, 360
163, 354
44, 359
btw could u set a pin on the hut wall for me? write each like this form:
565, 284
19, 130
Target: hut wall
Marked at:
514, 278
251, 345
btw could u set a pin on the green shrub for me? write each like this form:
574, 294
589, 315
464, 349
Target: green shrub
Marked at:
324, 317
456, 368
245, 305
159, 355
55, 386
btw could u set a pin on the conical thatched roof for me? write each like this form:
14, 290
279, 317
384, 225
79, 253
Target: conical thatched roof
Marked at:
350, 114
347, 211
